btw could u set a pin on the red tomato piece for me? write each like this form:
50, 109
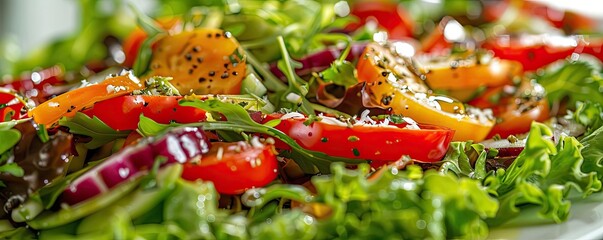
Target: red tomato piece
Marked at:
388, 15
123, 113
234, 167
12, 107
381, 144
38, 85
533, 52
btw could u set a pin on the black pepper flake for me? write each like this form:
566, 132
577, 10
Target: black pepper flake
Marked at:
224, 75
218, 35
145, 104
199, 59
195, 66
209, 35
384, 73
188, 57
196, 49
226, 65
202, 79
190, 71
379, 83
174, 109
212, 73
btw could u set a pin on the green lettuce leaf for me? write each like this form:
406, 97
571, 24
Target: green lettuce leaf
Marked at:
589, 114
577, 81
543, 175
593, 152
406, 204
461, 155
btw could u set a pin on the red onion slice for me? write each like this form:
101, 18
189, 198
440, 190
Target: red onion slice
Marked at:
177, 146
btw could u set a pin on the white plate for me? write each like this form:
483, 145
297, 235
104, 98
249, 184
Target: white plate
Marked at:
585, 222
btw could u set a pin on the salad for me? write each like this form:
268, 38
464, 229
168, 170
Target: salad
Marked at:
302, 119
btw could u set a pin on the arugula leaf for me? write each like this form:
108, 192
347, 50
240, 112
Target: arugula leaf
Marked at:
341, 72
294, 97
576, 80
92, 127
145, 53
543, 175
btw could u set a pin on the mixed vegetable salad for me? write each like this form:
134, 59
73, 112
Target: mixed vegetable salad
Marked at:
302, 119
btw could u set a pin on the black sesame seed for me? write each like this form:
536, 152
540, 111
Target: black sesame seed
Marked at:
235, 73
226, 65
190, 71
199, 59
224, 75
227, 34
188, 57
212, 73
202, 79
145, 104
194, 66
196, 49
209, 35
218, 35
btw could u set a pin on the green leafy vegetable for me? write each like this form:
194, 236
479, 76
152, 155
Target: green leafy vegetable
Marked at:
92, 127
294, 98
9, 137
12, 169
460, 157
542, 175
575, 80
341, 72
589, 114
593, 152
